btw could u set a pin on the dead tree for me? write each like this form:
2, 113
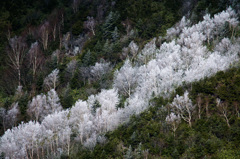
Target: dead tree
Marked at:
16, 55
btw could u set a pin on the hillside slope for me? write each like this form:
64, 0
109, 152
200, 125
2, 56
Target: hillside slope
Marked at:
105, 70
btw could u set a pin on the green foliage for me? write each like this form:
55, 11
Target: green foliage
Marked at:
110, 24
96, 105
77, 28
22, 103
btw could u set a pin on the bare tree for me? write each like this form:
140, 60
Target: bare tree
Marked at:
44, 34
223, 109
174, 120
51, 81
56, 21
207, 100
90, 24
16, 54
236, 105
36, 57
199, 104
184, 107
75, 5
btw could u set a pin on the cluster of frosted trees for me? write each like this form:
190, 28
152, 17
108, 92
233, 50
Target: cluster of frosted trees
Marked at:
52, 136
155, 71
158, 71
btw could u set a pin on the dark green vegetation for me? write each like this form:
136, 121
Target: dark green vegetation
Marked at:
149, 135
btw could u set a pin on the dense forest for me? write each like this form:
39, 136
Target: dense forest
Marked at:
120, 79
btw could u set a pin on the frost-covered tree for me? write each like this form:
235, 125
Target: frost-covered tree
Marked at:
57, 132
51, 81
36, 107
53, 102
90, 24
100, 69
174, 120
42, 105
12, 114
31, 138
208, 26
81, 120
106, 118
133, 49
125, 79
148, 52
9, 145
177, 29
91, 142
23, 141
183, 107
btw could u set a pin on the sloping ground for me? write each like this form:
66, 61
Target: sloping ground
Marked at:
150, 135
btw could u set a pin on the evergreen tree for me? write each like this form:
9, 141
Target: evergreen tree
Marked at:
115, 34
109, 25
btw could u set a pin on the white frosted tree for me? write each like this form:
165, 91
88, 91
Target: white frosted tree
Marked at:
31, 135
177, 29
208, 26
57, 132
174, 120
12, 114
91, 142
106, 118
125, 79
148, 52
133, 49
36, 107
90, 24
23, 141
100, 69
81, 120
183, 107
53, 103
9, 144
223, 46
51, 81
